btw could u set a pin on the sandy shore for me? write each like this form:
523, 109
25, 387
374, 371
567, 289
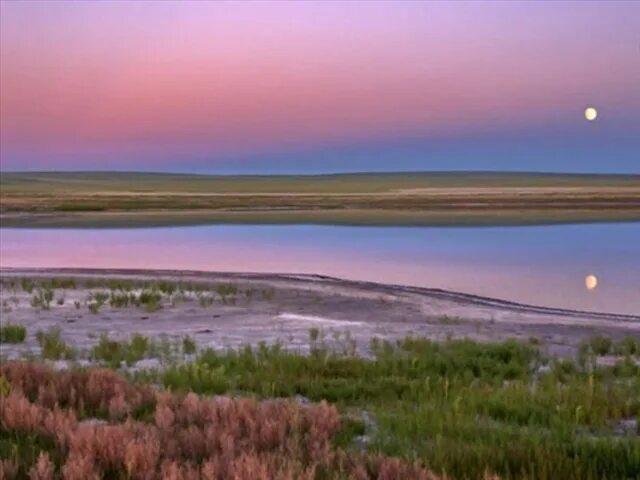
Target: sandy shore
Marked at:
295, 304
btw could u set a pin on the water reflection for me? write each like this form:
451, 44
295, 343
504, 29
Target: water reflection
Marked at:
539, 265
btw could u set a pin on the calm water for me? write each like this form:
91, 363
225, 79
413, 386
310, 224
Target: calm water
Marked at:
539, 265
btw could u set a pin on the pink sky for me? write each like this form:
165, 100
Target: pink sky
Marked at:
117, 84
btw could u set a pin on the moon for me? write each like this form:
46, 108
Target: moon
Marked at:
590, 113
591, 282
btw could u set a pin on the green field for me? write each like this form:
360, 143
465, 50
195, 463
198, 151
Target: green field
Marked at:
90, 182
418, 198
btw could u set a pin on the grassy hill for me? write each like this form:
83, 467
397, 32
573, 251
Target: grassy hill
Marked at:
403, 198
89, 182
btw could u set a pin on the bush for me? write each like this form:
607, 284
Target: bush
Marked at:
113, 353
227, 292
628, 346
27, 285
150, 300
61, 283
600, 345
12, 333
121, 300
53, 346
188, 346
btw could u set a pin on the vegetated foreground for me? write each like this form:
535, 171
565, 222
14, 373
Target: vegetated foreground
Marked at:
139, 199
182, 406
460, 409
84, 425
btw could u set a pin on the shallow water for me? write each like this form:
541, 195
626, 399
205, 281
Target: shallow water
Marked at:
542, 265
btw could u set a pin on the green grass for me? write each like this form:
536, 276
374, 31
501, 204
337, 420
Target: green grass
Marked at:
188, 346
458, 407
12, 333
114, 353
53, 346
150, 300
27, 285
89, 182
102, 199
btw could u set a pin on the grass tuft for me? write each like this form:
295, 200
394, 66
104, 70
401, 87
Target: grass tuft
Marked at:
53, 346
12, 333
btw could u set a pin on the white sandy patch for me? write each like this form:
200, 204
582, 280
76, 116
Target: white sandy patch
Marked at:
316, 319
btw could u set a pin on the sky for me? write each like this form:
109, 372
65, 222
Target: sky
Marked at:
312, 87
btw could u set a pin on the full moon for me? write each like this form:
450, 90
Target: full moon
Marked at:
590, 113
591, 282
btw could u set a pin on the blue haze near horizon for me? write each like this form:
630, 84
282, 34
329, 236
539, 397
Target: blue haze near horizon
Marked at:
610, 152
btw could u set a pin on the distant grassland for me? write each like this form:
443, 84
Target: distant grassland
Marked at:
413, 198
90, 182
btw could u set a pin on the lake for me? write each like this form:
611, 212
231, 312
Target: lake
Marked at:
541, 265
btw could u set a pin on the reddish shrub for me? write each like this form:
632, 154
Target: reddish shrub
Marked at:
189, 437
91, 390
59, 424
17, 413
9, 470
141, 457
78, 467
43, 469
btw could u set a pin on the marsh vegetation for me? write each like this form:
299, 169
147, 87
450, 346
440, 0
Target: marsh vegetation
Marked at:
408, 408
12, 333
147, 295
459, 409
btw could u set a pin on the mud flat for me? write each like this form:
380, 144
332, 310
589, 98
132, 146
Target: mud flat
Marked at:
232, 309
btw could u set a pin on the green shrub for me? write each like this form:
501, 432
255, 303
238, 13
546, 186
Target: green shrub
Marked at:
113, 353
167, 288
53, 346
628, 346
5, 386
150, 300
12, 333
227, 292
27, 285
188, 346
99, 297
122, 300
60, 283
600, 345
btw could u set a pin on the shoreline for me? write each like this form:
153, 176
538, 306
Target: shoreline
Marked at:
285, 308
313, 279
453, 217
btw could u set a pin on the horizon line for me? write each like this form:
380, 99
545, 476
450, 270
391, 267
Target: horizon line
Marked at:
325, 174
